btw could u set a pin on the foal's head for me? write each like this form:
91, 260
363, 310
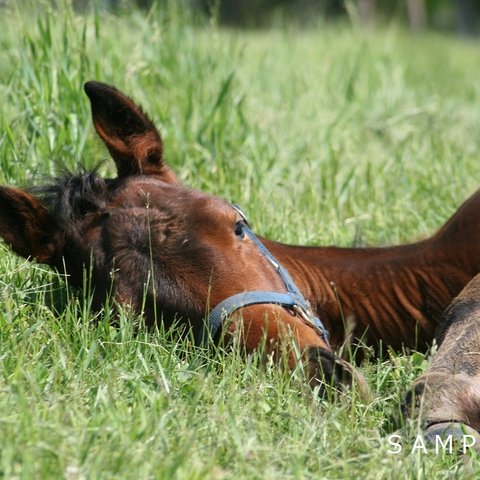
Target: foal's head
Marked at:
167, 250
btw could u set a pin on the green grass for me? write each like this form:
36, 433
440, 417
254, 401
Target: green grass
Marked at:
325, 136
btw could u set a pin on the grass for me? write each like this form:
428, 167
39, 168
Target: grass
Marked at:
326, 136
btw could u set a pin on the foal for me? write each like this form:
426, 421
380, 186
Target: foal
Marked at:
170, 252
181, 252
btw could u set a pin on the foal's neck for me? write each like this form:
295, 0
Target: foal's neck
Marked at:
395, 294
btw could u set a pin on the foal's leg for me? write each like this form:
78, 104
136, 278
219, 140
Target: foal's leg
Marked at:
447, 396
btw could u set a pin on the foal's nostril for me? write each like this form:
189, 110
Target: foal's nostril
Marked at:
327, 370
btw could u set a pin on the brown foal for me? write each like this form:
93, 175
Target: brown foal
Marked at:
178, 252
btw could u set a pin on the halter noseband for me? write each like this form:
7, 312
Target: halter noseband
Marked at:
291, 299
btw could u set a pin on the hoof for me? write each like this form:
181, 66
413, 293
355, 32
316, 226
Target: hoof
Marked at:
461, 436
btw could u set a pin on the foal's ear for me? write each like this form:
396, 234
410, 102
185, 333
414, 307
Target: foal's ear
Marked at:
131, 137
26, 225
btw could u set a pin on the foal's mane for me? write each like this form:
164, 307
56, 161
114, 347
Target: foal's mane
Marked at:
71, 195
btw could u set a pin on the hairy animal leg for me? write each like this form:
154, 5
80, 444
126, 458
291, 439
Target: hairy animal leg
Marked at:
447, 397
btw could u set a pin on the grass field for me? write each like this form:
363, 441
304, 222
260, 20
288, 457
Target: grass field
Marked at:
325, 136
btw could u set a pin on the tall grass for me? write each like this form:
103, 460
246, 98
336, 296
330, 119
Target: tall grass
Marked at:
326, 136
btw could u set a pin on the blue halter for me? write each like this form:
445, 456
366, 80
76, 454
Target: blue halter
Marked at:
291, 299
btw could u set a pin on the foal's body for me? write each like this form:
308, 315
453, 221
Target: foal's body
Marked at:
394, 294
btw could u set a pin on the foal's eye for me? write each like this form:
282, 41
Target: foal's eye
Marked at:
239, 231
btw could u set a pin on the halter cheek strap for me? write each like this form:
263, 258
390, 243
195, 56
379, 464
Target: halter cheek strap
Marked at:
291, 299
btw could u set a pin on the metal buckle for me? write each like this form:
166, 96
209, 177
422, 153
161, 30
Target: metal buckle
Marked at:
302, 313
307, 316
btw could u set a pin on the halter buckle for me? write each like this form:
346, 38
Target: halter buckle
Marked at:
302, 313
307, 315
